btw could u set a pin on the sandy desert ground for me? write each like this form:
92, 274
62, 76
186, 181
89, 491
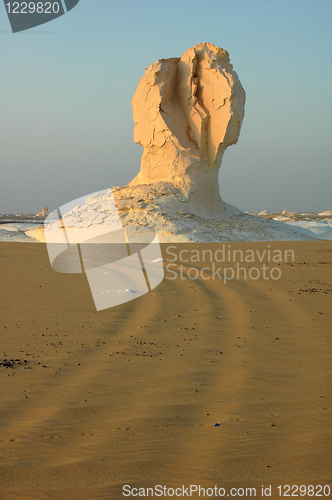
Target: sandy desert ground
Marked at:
130, 395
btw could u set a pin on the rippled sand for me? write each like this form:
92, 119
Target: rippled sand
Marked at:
130, 395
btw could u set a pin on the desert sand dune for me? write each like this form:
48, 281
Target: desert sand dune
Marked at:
131, 395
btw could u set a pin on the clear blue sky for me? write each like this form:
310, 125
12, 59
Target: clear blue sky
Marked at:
66, 126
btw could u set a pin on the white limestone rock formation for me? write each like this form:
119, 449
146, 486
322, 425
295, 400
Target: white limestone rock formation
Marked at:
187, 111
43, 212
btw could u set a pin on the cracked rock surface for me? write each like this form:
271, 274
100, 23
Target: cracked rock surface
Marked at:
187, 111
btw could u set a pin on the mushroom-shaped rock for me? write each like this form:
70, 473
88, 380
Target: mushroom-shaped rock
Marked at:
187, 111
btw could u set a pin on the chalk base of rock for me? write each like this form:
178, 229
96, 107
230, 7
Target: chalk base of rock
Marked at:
162, 207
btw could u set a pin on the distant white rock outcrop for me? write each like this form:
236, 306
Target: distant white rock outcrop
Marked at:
43, 212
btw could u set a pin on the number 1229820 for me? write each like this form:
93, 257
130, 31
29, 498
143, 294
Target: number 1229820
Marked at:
303, 490
33, 7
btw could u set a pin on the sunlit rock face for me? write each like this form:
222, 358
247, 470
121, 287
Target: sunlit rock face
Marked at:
187, 111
